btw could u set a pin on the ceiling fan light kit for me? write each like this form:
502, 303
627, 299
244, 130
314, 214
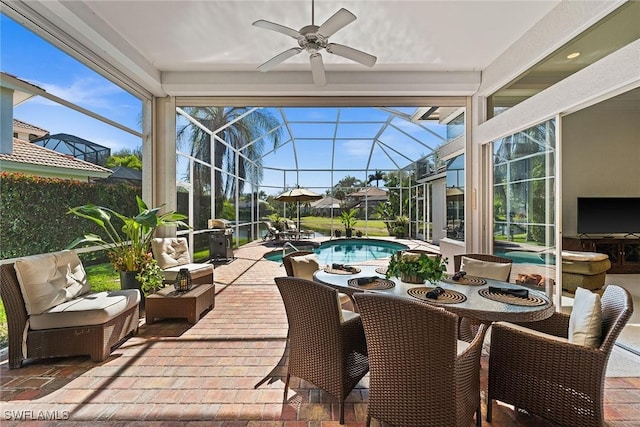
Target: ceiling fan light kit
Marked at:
313, 39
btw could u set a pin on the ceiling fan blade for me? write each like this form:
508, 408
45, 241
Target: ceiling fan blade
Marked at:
317, 69
338, 20
281, 57
352, 54
277, 27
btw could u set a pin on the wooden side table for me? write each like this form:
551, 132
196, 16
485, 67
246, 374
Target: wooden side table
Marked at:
167, 303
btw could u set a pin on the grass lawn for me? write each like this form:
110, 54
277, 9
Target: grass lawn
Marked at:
375, 228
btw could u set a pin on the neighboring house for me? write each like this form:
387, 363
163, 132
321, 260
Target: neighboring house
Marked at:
370, 197
325, 206
34, 160
123, 174
75, 146
26, 131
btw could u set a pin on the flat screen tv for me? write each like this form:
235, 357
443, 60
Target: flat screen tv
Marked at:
608, 215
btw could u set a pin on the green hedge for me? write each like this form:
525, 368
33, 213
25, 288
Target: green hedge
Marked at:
33, 211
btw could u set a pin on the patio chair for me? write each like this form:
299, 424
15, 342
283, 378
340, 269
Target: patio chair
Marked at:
172, 254
326, 345
303, 264
420, 373
536, 366
480, 265
272, 232
488, 266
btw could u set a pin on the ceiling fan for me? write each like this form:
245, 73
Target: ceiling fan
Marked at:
313, 39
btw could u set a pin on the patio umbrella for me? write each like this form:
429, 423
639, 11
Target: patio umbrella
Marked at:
298, 195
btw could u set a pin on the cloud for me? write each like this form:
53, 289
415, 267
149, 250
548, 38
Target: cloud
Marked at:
89, 92
358, 148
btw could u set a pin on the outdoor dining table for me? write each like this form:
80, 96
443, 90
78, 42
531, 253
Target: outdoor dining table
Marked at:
471, 300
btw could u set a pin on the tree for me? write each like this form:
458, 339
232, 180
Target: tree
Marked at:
127, 158
344, 187
390, 210
240, 131
377, 177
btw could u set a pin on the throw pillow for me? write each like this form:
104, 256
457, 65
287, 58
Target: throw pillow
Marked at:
486, 269
170, 252
585, 322
47, 280
304, 266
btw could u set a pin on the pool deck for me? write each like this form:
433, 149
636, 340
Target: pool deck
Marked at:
174, 373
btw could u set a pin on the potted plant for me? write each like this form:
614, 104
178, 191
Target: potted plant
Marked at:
127, 240
150, 276
401, 226
348, 218
416, 268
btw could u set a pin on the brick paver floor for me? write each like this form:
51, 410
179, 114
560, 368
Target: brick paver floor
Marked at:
173, 373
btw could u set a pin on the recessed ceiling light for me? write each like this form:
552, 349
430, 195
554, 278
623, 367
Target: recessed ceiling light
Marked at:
573, 55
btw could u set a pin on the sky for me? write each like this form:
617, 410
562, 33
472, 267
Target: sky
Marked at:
30, 58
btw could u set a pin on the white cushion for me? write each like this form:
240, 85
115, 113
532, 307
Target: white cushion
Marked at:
89, 309
461, 347
170, 251
585, 322
304, 266
486, 269
47, 280
195, 270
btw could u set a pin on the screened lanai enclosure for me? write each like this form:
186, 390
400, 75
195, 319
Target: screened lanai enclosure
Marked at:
231, 162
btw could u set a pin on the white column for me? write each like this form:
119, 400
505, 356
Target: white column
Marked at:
163, 157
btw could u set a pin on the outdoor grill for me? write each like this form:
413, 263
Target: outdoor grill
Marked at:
220, 245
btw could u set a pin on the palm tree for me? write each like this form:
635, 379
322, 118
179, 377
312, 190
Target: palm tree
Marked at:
377, 176
238, 130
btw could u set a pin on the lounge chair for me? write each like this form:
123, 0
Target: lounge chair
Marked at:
272, 232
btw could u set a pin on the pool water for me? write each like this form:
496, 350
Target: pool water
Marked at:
349, 251
521, 257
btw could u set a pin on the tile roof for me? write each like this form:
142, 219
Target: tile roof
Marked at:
370, 192
25, 152
24, 125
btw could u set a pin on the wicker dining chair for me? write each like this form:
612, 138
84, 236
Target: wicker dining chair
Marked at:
345, 300
420, 373
469, 327
326, 345
286, 260
457, 260
533, 370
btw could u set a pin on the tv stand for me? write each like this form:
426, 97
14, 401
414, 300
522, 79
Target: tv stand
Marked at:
624, 251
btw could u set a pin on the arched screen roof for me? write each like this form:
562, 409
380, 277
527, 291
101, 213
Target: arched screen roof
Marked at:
318, 146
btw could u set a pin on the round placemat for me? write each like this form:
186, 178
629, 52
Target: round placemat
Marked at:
377, 284
330, 270
530, 301
466, 280
381, 270
449, 296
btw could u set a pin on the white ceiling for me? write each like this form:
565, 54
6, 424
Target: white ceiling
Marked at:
178, 47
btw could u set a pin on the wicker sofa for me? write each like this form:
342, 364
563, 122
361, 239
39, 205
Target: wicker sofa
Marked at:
51, 311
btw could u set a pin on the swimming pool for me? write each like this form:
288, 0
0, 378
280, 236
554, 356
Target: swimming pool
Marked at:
345, 251
521, 257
